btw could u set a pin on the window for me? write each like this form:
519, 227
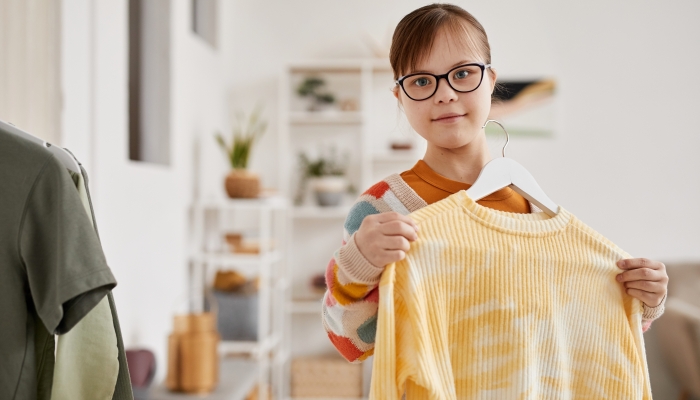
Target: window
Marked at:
149, 81
204, 20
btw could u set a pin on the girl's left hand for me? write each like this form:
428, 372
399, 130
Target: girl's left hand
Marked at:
644, 279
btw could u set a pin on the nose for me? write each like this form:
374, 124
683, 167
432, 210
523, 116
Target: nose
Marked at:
444, 92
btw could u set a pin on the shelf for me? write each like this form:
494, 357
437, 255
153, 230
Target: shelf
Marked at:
305, 306
237, 377
239, 347
365, 80
274, 202
325, 117
313, 212
398, 156
253, 348
222, 258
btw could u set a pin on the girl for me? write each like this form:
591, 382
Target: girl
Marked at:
441, 60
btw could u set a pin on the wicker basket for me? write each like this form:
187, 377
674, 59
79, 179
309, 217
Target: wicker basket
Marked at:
326, 377
242, 184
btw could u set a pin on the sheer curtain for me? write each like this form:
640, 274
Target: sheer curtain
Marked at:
30, 92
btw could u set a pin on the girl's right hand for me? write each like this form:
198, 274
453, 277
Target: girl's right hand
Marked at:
385, 238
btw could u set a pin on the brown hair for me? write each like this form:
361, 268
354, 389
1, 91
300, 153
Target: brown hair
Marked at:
414, 35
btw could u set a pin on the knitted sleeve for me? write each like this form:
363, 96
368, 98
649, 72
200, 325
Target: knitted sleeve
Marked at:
350, 303
651, 314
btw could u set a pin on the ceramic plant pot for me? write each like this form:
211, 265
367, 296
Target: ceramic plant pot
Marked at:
241, 183
329, 190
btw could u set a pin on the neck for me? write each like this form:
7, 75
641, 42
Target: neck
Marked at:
462, 164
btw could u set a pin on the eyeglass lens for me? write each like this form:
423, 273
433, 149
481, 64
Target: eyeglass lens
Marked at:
463, 79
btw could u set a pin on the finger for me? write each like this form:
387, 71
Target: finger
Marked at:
647, 286
398, 228
395, 243
393, 256
642, 274
652, 300
634, 263
394, 216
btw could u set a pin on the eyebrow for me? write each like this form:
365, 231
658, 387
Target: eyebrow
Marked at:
453, 65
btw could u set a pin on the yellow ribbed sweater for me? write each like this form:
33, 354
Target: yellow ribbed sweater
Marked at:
496, 305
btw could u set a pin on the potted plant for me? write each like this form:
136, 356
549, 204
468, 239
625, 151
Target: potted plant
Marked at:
325, 177
310, 88
241, 183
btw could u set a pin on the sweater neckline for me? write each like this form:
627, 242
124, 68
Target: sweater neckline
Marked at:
532, 224
424, 172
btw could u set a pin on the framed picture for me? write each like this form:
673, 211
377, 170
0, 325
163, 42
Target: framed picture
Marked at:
526, 107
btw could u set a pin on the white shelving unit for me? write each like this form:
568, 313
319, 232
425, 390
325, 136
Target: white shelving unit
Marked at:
209, 252
238, 389
365, 133
367, 81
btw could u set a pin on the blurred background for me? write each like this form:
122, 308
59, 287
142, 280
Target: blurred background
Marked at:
139, 89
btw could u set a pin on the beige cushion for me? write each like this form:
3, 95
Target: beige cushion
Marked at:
679, 335
684, 282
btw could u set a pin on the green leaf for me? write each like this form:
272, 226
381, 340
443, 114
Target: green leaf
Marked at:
244, 134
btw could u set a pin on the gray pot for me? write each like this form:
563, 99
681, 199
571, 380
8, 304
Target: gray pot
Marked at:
329, 199
237, 317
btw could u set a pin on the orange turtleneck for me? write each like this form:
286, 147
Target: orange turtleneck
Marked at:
432, 187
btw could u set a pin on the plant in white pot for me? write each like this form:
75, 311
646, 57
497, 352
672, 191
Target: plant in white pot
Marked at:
325, 177
241, 183
310, 88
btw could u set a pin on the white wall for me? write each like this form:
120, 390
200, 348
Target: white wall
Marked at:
141, 208
625, 150
77, 42
623, 159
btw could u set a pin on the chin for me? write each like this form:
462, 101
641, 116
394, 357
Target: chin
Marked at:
451, 143
454, 138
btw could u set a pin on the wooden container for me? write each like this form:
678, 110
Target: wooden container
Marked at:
234, 240
325, 377
193, 363
241, 183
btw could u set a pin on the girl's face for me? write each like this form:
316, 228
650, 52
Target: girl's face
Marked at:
449, 119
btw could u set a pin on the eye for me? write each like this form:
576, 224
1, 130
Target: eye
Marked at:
421, 82
461, 74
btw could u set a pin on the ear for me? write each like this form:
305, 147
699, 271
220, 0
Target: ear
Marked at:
396, 91
494, 76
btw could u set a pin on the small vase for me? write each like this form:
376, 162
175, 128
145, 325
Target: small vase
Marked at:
329, 199
241, 183
329, 190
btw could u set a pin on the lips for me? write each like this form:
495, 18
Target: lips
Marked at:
448, 117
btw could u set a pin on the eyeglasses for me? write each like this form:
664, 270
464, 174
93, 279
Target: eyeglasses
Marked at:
463, 79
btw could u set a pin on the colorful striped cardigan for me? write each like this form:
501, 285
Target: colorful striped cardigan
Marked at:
351, 302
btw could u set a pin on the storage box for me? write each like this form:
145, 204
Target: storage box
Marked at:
237, 317
325, 377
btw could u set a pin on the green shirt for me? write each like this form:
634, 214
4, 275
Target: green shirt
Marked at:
52, 268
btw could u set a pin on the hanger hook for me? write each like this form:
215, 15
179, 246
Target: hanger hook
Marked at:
504, 130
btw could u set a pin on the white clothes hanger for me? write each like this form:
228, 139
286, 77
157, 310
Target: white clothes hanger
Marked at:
502, 172
63, 156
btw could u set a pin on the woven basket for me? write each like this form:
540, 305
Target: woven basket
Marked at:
326, 377
242, 184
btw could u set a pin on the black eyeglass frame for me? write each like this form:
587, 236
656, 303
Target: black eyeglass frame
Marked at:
446, 76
